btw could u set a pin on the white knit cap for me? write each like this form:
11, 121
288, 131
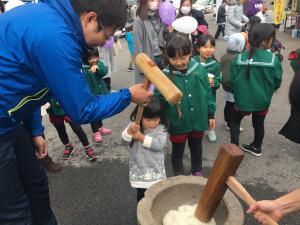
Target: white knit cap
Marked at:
236, 42
12, 4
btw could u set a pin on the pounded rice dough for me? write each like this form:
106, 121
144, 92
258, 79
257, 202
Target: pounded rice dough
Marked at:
184, 216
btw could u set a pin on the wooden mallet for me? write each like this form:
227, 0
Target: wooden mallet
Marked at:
228, 160
152, 74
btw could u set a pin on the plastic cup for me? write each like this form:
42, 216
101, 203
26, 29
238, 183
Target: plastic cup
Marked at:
211, 77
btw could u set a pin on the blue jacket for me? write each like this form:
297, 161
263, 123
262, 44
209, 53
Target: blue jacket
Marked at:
40, 56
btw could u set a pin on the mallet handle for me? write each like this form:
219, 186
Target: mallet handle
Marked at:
226, 164
141, 106
243, 194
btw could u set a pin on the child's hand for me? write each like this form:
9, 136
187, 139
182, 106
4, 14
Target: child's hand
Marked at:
212, 123
138, 136
94, 68
170, 29
133, 128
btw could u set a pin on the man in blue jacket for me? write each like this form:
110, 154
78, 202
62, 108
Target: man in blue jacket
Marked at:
40, 56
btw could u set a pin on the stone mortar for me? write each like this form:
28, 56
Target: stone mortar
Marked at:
184, 190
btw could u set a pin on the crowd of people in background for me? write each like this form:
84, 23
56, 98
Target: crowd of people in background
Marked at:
188, 60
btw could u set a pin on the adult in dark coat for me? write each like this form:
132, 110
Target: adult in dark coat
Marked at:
221, 19
291, 130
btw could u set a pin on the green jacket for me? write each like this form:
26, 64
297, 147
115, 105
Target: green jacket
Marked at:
95, 80
213, 67
55, 109
256, 93
196, 104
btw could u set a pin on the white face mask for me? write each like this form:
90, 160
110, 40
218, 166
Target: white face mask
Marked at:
185, 9
153, 6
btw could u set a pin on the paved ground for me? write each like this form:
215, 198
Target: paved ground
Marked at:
100, 194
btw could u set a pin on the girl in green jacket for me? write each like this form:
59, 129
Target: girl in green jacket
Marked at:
206, 48
255, 75
94, 71
58, 118
195, 112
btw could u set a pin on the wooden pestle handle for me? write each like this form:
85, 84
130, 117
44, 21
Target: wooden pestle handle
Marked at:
226, 164
140, 111
243, 194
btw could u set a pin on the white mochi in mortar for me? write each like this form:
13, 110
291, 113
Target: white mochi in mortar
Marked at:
185, 215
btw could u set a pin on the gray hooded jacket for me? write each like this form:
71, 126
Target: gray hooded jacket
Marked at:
235, 19
147, 159
147, 38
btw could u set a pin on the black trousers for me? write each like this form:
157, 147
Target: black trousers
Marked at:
221, 28
63, 136
228, 110
140, 193
195, 145
24, 191
96, 125
257, 123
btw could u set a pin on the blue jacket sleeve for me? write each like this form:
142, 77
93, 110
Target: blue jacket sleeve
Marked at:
34, 123
56, 58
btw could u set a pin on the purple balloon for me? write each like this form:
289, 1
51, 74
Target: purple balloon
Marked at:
109, 43
167, 12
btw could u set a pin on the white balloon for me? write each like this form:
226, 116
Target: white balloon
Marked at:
185, 24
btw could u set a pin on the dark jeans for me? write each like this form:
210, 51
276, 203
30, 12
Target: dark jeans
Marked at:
140, 193
24, 192
195, 145
96, 125
63, 136
257, 123
228, 110
221, 28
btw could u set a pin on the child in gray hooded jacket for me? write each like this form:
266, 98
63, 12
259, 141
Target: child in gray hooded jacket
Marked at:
147, 142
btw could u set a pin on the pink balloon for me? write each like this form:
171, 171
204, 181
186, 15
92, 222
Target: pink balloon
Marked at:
167, 12
109, 43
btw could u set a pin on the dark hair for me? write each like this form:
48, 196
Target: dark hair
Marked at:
142, 10
2, 9
111, 13
203, 39
89, 54
181, 3
258, 34
253, 21
178, 44
92, 53
152, 110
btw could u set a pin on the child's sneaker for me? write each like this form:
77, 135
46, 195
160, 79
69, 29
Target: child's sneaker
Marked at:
97, 137
130, 69
90, 154
198, 174
69, 150
211, 135
251, 149
104, 131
